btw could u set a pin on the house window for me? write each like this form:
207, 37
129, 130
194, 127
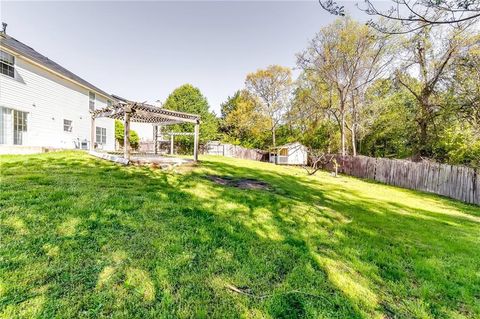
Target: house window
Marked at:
91, 100
13, 126
19, 126
5, 123
67, 126
7, 64
101, 136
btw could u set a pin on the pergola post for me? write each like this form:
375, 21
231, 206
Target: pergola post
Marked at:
195, 142
171, 144
126, 135
92, 134
155, 138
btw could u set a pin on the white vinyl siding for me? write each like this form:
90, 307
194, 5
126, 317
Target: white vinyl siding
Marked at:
48, 100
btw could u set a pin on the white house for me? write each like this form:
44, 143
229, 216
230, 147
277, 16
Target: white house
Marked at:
289, 154
43, 104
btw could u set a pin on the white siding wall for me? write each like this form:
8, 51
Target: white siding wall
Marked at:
49, 100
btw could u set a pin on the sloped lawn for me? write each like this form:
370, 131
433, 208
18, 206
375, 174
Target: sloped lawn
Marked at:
81, 237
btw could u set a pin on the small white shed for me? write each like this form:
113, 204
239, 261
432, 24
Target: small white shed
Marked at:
289, 154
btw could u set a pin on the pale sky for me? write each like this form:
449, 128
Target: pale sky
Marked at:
144, 50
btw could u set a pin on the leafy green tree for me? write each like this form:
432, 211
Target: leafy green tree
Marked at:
244, 124
390, 125
458, 143
227, 127
342, 59
272, 88
425, 104
134, 140
465, 83
189, 99
230, 104
431, 55
119, 135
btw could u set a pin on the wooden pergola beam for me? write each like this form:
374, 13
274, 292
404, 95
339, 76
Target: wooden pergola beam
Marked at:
179, 133
146, 113
129, 111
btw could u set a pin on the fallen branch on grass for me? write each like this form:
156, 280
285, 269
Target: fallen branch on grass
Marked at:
238, 290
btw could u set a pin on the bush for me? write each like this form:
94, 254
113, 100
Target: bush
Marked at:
119, 135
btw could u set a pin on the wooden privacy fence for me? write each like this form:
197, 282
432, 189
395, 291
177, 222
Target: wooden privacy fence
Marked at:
230, 150
458, 182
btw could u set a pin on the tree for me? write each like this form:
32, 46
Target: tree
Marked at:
134, 140
243, 123
189, 99
271, 87
230, 104
119, 135
226, 108
311, 115
465, 83
413, 15
318, 160
341, 60
389, 116
430, 55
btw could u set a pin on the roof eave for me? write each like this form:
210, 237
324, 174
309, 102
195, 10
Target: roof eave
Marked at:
40, 65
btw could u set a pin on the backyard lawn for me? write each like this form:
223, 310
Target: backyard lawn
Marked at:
82, 237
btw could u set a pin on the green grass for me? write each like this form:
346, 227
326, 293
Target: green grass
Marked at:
82, 237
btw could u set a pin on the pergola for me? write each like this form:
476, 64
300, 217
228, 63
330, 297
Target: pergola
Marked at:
130, 111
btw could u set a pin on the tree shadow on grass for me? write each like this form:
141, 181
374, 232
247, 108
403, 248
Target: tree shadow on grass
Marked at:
90, 238
408, 254
93, 239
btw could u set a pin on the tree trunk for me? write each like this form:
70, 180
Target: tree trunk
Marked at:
354, 146
423, 140
342, 132
354, 126
423, 126
274, 143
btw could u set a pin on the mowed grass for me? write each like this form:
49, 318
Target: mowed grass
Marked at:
85, 238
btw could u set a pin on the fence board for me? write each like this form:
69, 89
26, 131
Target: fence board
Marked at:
458, 182
236, 151
477, 189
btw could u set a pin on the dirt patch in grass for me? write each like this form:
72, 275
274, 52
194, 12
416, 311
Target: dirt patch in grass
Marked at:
242, 183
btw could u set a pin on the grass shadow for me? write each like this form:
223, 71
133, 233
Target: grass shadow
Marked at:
81, 236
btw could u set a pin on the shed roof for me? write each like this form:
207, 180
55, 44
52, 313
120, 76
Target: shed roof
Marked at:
290, 145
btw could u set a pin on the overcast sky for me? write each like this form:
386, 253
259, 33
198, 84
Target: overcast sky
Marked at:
144, 50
